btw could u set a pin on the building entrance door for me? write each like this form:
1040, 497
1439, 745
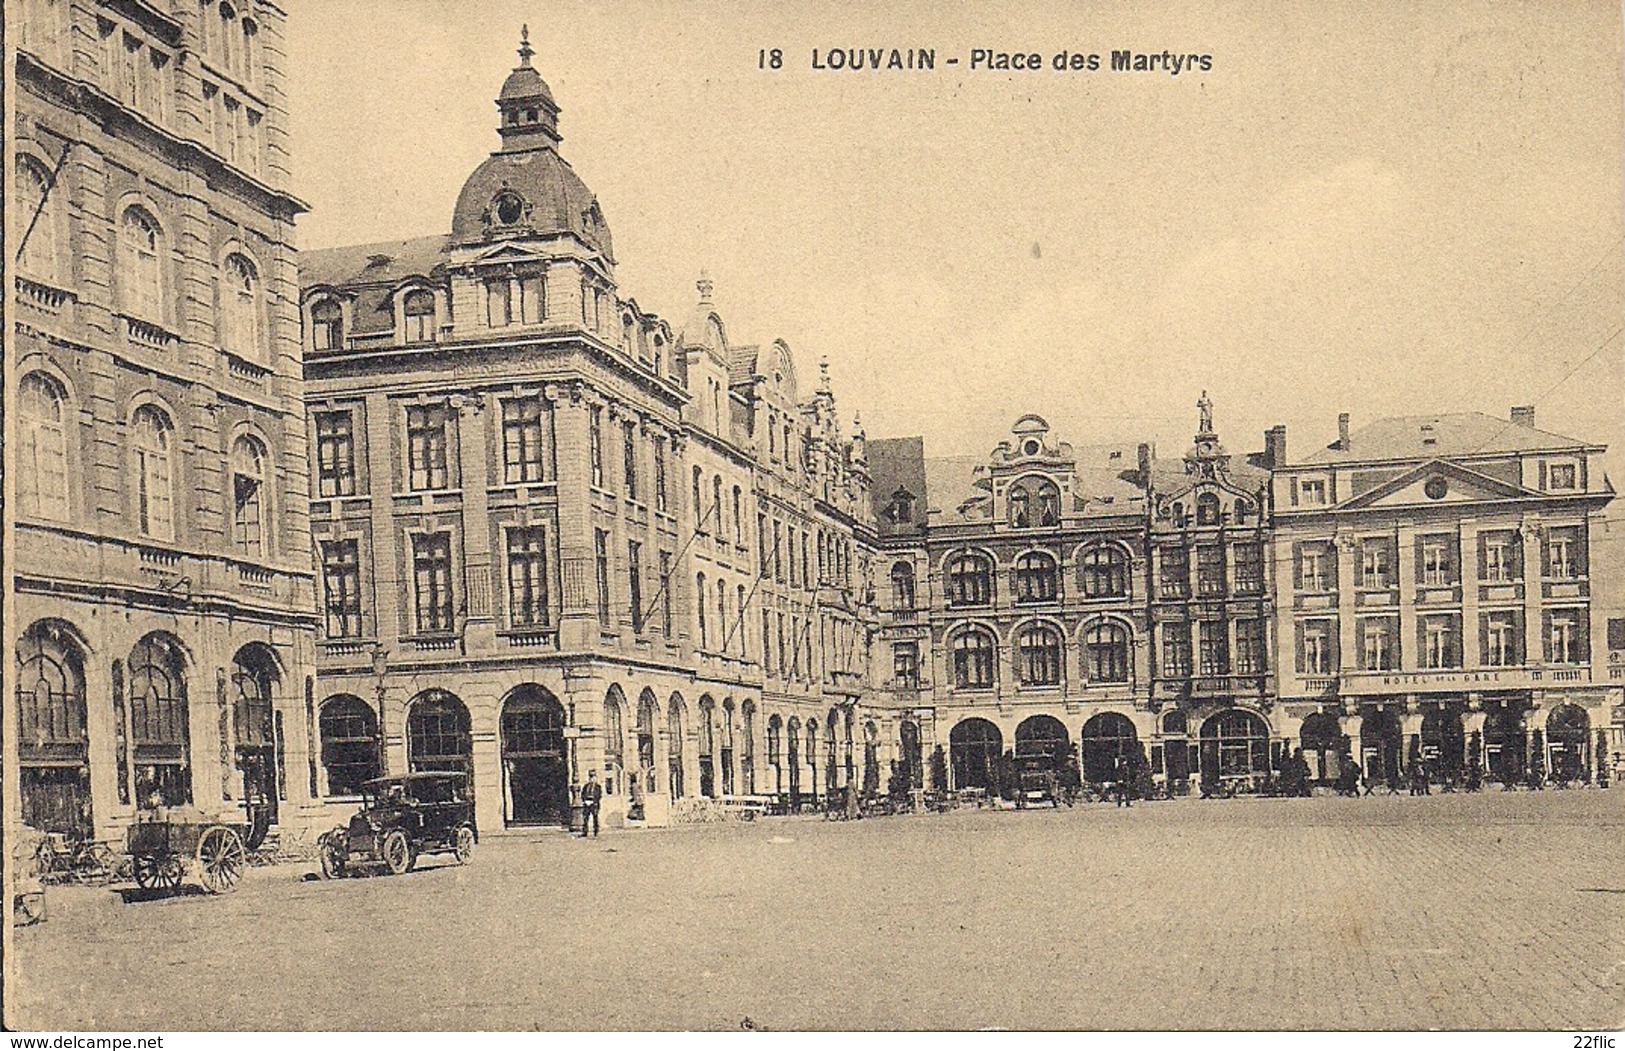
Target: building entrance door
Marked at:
533, 758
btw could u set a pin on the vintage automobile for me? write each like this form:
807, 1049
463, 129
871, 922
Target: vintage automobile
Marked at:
400, 818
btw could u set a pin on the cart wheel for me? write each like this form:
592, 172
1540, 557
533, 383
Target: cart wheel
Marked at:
146, 871
333, 860
465, 844
397, 853
170, 871
221, 859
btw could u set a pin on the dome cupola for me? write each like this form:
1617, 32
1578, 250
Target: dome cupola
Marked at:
530, 117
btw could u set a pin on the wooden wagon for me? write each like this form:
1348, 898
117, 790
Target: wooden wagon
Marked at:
160, 848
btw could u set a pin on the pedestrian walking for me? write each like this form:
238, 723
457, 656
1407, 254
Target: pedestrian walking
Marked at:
592, 797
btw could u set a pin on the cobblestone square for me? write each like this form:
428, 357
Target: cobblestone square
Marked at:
1492, 911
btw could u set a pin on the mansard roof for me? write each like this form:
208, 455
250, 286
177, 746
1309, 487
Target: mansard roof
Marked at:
378, 263
1451, 434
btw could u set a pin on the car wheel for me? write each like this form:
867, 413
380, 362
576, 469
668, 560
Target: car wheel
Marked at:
397, 853
465, 844
333, 859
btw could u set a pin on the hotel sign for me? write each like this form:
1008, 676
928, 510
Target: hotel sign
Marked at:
1447, 678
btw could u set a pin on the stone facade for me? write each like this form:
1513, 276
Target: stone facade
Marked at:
164, 592
543, 514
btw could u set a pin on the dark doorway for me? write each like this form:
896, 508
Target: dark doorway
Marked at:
1109, 743
974, 746
533, 758
1381, 744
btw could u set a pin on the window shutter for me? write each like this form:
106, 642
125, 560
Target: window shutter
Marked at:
1483, 556
1546, 637
1484, 638
1300, 652
1543, 474
1582, 639
1333, 647
1297, 581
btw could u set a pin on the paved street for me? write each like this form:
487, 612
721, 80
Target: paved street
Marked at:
1488, 911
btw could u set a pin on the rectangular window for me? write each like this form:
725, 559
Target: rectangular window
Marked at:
498, 302
341, 578
1377, 644
790, 538
600, 544
629, 459
1374, 564
426, 446
527, 577
778, 552
767, 642
1249, 647
1561, 476
1213, 655
431, 570
1176, 572
1565, 637
1249, 568
1500, 558
1441, 642
1209, 570
335, 454
1501, 640
660, 474
1438, 563
906, 665
524, 455
1176, 650
805, 563
1315, 648
595, 445
1316, 571
1312, 491
783, 653
1563, 561
763, 566
665, 594
634, 581
739, 518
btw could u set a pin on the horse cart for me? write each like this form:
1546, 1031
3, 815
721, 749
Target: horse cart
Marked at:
161, 847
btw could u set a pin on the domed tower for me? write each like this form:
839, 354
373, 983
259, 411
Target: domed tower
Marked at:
529, 244
525, 189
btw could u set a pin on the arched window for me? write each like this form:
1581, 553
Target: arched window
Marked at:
248, 496
971, 654
53, 748
1020, 513
349, 736
141, 270
1035, 578
699, 508
327, 325
1049, 505
902, 586
1207, 510
1235, 743
1038, 655
419, 311
970, 580
240, 308
747, 747
974, 747
42, 453
438, 734
699, 607
648, 717
36, 218
614, 739
1106, 652
151, 437
1103, 572
1109, 745
674, 746
159, 738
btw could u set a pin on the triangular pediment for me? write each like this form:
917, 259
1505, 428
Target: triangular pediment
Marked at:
504, 251
1437, 482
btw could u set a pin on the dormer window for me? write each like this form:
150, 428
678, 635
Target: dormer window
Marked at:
419, 313
1049, 505
509, 208
1312, 491
1561, 476
902, 507
327, 325
1020, 512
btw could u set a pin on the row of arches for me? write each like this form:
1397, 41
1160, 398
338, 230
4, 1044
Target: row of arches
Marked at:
152, 722
1038, 652
1234, 742
969, 576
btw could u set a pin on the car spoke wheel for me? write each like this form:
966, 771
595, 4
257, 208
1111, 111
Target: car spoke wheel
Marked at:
465, 844
397, 853
170, 871
221, 859
146, 872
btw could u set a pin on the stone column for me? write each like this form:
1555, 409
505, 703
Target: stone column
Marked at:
1405, 575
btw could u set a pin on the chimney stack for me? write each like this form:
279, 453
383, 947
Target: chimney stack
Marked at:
1524, 415
1144, 464
1343, 431
1275, 446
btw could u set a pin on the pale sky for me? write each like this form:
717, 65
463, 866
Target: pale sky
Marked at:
1374, 208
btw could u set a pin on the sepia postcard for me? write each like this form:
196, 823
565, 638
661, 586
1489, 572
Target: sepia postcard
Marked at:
537, 515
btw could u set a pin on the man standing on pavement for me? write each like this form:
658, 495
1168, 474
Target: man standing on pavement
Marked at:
592, 794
